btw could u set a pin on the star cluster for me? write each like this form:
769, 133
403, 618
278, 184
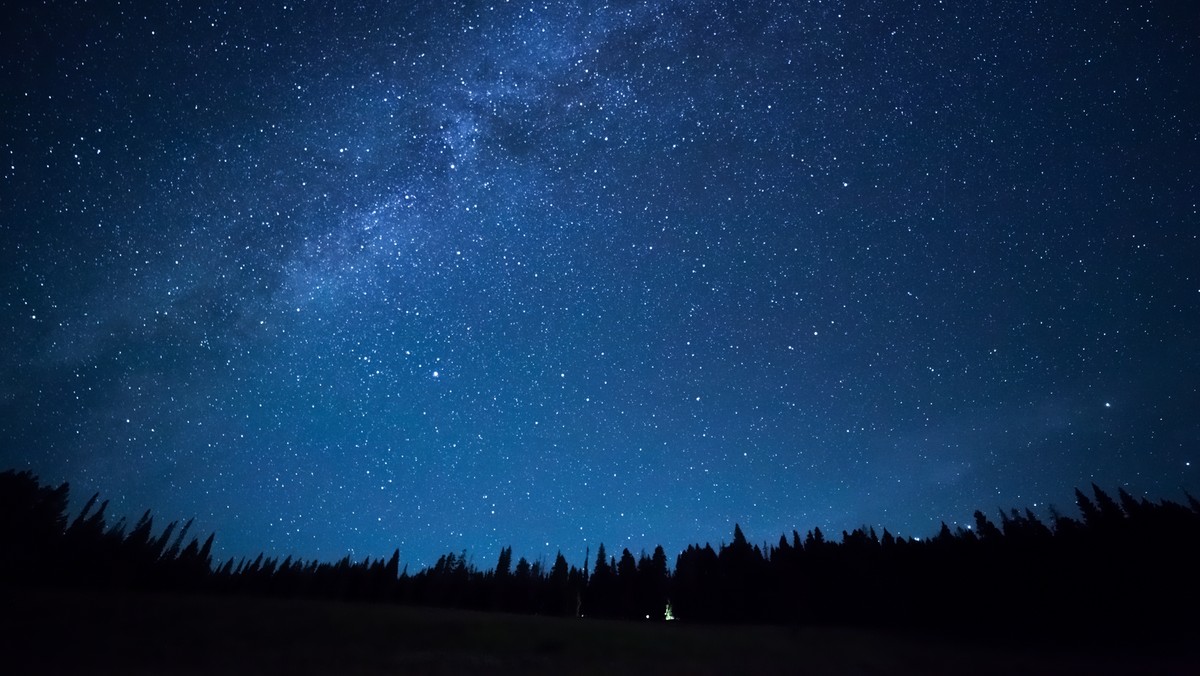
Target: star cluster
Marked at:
344, 277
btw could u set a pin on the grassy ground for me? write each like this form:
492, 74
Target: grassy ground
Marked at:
101, 633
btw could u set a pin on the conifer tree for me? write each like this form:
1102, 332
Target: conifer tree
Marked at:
504, 563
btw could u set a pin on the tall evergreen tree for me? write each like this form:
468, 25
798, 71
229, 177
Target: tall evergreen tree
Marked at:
601, 587
602, 568
504, 563
987, 530
1091, 514
1109, 511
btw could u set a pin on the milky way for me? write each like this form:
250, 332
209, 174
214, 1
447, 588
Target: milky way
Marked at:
453, 276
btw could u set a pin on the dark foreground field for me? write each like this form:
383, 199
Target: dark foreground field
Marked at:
57, 632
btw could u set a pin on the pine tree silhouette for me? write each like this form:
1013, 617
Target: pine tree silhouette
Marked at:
601, 590
1091, 514
1122, 571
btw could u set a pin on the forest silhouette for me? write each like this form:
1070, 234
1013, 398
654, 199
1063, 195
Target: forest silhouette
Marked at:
1125, 567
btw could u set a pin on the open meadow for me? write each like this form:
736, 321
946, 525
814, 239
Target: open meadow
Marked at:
57, 632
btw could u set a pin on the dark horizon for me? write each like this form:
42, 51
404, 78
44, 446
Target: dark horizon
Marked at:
222, 555
1113, 577
1088, 508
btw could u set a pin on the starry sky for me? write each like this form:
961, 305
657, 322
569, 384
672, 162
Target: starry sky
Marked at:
347, 277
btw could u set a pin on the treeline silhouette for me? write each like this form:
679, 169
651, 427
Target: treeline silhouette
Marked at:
1127, 565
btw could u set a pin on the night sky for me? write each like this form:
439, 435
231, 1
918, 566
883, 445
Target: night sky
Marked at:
344, 277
